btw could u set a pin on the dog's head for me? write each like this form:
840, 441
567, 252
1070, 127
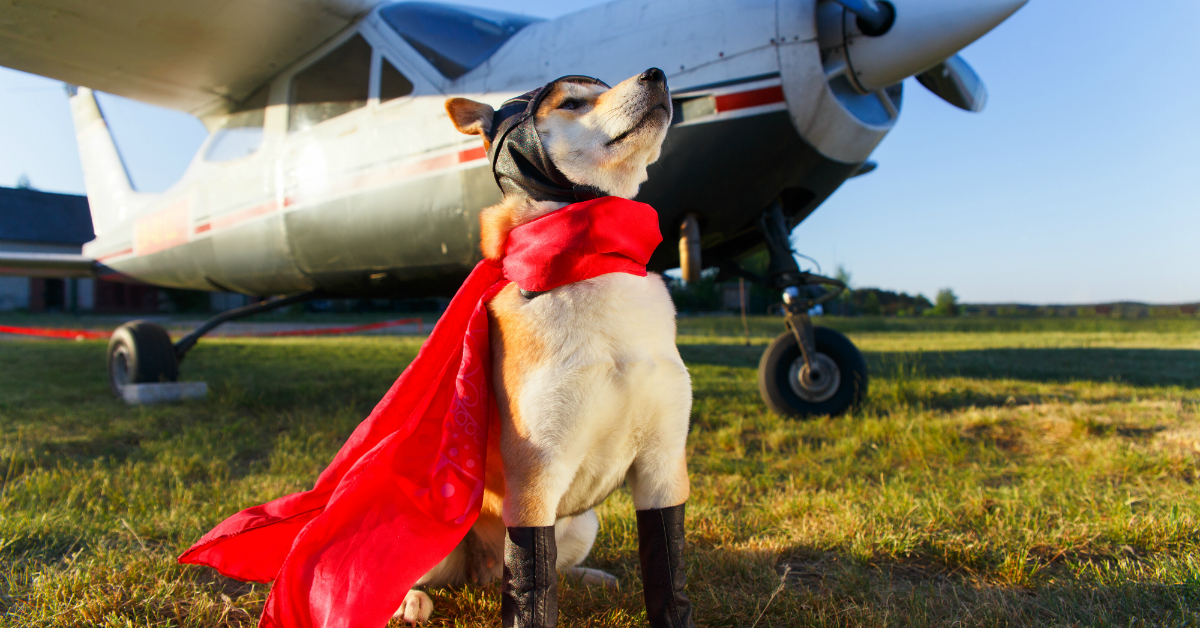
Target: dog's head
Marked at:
575, 138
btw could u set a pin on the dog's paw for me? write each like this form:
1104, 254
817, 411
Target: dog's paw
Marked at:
592, 577
416, 608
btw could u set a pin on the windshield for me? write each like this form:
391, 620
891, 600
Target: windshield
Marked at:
454, 39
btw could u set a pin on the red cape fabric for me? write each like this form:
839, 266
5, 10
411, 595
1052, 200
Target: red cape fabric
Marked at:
407, 485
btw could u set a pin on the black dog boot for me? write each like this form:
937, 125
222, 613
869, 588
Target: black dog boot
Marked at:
660, 547
529, 594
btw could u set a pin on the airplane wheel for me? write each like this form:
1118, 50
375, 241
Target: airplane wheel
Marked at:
789, 389
140, 352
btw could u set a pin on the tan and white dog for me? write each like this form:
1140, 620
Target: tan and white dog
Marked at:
591, 390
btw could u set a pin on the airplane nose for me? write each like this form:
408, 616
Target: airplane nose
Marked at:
653, 75
925, 33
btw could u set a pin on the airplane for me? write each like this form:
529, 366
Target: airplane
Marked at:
332, 169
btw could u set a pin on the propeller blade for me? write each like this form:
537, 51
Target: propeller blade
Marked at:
955, 82
875, 17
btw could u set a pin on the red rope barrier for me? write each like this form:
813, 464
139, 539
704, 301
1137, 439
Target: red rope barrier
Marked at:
332, 330
87, 334
44, 332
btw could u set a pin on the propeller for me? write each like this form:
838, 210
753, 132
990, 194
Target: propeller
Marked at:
955, 82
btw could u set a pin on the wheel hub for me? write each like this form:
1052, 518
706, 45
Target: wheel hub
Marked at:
815, 384
120, 366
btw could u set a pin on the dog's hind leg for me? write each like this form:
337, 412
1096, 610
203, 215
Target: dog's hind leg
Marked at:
575, 536
476, 559
416, 608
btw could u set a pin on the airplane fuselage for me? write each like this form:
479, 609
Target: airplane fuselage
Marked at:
384, 198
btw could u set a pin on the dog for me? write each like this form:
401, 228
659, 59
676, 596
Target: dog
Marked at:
590, 387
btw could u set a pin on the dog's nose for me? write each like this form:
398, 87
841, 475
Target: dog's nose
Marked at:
653, 75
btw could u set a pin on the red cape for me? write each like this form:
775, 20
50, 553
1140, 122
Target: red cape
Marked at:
406, 487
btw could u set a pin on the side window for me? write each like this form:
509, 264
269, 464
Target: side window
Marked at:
392, 84
334, 85
241, 132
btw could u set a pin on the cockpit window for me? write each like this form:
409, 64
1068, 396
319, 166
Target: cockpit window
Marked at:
241, 132
392, 84
335, 84
455, 40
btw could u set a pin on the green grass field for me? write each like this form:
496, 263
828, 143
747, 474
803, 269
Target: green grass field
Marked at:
1002, 473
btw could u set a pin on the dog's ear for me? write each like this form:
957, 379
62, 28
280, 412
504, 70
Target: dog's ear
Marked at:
470, 117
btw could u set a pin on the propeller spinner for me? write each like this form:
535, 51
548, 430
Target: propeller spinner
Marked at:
876, 44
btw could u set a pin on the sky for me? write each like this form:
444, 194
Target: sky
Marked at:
1077, 184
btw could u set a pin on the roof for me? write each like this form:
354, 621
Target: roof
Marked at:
44, 217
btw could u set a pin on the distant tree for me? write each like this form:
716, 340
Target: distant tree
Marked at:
946, 305
843, 275
844, 303
870, 303
23, 182
876, 302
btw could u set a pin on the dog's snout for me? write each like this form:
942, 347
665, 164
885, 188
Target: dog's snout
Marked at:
653, 75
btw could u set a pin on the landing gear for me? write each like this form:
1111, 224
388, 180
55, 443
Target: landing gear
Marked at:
140, 352
836, 381
806, 371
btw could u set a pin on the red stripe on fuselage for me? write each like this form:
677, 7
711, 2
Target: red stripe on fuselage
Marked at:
471, 154
752, 98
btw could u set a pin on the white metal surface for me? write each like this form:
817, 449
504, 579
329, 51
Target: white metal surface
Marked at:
110, 194
820, 118
926, 32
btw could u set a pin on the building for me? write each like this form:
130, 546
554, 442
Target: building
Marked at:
41, 222
44, 222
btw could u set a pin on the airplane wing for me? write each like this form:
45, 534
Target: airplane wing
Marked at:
46, 265
198, 56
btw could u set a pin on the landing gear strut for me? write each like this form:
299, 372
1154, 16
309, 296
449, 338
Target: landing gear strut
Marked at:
806, 371
140, 352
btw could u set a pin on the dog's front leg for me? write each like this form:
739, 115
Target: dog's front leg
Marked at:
529, 591
664, 575
529, 594
659, 482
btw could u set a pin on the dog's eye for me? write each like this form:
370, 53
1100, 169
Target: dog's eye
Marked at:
571, 103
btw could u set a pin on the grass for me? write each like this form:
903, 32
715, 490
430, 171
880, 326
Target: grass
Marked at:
1002, 473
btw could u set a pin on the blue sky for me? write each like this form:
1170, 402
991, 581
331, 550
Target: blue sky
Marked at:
1078, 183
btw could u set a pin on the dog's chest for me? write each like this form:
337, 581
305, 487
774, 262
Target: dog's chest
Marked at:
583, 369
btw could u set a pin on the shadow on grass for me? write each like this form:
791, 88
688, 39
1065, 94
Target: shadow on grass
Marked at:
116, 447
1139, 367
44, 546
926, 591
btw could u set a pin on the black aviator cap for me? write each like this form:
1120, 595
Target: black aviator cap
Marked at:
520, 163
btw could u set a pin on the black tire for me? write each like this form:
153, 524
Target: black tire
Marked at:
782, 360
140, 352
